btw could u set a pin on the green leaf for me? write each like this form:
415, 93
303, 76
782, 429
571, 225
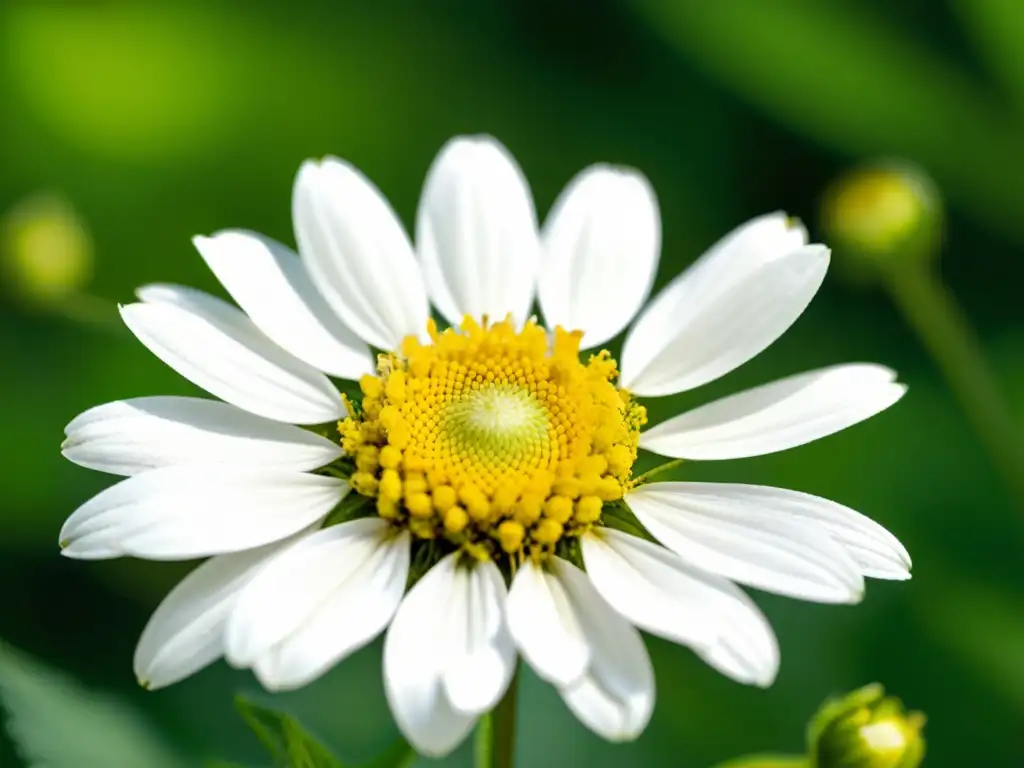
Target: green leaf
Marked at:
351, 507
292, 747
766, 761
619, 516
986, 629
288, 742
55, 722
839, 74
997, 27
398, 755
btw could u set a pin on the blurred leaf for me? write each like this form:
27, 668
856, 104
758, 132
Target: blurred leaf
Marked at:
765, 761
134, 78
997, 27
292, 746
836, 73
987, 629
57, 723
398, 755
287, 741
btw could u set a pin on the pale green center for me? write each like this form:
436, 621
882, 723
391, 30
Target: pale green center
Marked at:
497, 423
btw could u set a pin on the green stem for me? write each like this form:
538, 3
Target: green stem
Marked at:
646, 476
496, 734
946, 333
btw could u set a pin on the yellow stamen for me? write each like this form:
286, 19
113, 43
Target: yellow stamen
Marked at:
496, 439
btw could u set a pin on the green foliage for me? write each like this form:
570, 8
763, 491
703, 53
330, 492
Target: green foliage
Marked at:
350, 507
997, 27
841, 76
398, 755
291, 746
163, 105
55, 722
986, 630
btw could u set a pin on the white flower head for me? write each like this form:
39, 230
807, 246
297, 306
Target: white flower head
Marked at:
488, 465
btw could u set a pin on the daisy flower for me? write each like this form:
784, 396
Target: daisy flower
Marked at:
474, 493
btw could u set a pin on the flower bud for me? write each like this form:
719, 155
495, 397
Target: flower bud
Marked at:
880, 217
46, 251
866, 729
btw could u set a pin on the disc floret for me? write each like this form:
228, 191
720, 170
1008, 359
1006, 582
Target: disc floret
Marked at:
496, 440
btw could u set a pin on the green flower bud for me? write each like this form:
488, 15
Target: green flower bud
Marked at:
866, 729
46, 252
882, 217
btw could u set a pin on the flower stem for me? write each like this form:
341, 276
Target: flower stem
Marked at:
646, 476
496, 734
932, 311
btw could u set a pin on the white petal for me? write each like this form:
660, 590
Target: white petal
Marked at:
878, 561
131, 436
752, 244
713, 318
417, 653
642, 582
476, 232
358, 254
777, 416
742, 654
741, 252
302, 580
183, 512
192, 299
270, 283
186, 632
660, 593
546, 626
601, 245
877, 552
724, 535
607, 715
483, 656
216, 347
616, 696
320, 604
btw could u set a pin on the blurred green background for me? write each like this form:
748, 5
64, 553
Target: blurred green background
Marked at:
162, 119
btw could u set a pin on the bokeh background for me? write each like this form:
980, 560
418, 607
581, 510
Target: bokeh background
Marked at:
162, 119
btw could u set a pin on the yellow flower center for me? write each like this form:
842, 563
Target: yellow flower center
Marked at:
497, 440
